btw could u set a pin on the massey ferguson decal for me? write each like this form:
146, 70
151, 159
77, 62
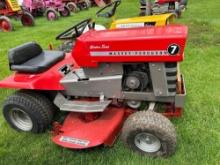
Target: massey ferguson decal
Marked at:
130, 53
173, 49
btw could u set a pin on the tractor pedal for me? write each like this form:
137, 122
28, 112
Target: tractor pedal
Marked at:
80, 106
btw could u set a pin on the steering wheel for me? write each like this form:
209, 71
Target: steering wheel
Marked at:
109, 13
76, 30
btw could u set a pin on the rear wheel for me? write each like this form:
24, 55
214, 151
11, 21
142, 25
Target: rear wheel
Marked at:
27, 19
88, 3
72, 6
85, 5
5, 24
28, 111
149, 133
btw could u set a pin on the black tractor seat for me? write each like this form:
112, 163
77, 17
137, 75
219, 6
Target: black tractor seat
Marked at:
30, 58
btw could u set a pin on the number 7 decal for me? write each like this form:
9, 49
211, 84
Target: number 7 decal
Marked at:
173, 49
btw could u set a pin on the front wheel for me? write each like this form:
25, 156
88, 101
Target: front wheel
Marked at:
65, 12
28, 111
27, 19
5, 24
149, 133
51, 14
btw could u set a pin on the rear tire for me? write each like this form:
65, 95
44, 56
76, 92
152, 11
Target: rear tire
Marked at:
73, 7
150, 134
28, 111
88, 3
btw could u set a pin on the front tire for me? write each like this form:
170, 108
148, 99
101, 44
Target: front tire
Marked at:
65, 12
27, 19
51, 14
150, 134
5, 24
28, 111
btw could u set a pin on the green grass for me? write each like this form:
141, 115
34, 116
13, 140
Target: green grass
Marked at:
198, 131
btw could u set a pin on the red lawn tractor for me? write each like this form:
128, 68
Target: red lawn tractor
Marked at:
113, 81
10, 8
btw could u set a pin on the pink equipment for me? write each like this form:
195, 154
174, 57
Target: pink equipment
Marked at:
50, 8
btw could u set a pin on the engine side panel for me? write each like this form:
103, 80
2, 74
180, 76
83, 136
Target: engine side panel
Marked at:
108, 86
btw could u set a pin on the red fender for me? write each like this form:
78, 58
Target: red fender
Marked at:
48, 80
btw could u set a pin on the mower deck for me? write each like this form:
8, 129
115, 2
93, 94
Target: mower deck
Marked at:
78, 132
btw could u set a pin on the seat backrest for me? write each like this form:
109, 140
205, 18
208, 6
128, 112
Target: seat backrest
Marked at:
23, 53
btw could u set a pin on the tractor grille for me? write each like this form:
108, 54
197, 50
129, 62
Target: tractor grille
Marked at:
171, 73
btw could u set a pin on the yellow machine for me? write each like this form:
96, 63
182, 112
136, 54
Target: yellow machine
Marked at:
14, 5
153, 20
141, 21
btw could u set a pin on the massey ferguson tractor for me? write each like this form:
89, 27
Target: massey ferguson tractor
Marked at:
10, 8
113, 82
162, 6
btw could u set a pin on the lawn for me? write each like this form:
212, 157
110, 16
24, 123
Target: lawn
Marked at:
198, 131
